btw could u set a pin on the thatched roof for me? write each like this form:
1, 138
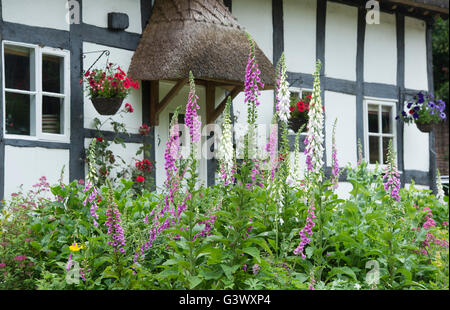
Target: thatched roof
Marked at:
434, 5
197, 35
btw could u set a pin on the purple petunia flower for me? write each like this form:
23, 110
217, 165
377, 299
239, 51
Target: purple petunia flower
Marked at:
441, 105
421, 98
443, 116
409, 105
415, 115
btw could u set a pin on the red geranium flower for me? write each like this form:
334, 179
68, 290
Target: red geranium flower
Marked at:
127, 83
99, 139
121, 71
140, 179
128, 108
301, 106
144, 129
144, 165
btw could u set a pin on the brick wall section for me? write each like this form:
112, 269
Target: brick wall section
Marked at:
441, 146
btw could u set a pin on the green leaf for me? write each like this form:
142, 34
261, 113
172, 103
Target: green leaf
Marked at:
229, 270
214, 255
254, 252
194, 281
300, 277
309, 251
170, 262
212, 275
406, 273
387, 236
36, 245
342, 270
108, 273
168, 273
262, 243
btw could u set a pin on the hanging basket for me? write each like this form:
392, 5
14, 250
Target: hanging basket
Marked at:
107, 106
295, 124
428, 127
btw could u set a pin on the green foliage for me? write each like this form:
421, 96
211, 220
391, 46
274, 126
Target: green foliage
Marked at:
104, 165
239, 252
440, 58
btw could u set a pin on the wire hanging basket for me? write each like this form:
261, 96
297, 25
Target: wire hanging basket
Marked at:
104, 105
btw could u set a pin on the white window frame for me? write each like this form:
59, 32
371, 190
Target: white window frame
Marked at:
39, 93
299, 90
379, 102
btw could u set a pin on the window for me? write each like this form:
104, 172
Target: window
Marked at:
35, 92
379, 123
300, 99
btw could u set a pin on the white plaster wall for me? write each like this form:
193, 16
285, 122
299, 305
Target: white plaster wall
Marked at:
342, 107
420, 187
95, 12
340, 41
25, 165
344, 189
415, 148
256, 17
264, 110
123, 58
415, 54
299, 35
162, 130
380, 51
41, 13
128, 154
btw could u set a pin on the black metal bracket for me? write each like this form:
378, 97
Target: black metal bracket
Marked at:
103, 52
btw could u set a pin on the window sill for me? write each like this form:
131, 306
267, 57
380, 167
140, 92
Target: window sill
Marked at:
31, 139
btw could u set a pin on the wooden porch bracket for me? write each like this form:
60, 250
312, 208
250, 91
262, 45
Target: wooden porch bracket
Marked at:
156, 107
213, 113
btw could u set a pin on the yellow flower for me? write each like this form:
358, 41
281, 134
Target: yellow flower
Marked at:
75, 248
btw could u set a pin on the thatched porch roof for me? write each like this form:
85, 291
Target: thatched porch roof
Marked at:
433, 5
197, 35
